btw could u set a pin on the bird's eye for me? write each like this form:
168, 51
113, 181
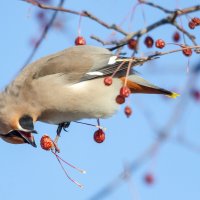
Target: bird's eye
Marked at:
26, 122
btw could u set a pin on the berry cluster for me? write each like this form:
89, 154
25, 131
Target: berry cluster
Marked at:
149, 41
194, 22
123, 94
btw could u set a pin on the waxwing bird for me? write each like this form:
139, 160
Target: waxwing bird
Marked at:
65, 87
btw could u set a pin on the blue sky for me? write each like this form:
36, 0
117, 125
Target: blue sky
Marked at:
32, 173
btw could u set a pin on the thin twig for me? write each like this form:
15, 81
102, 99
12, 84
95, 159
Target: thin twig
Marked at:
173, 51
83, 13
169, 19
155, 6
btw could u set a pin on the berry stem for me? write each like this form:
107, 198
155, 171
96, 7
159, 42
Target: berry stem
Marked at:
74, 181
118, 68
76, 168
97, 126
98, 122
127, 72
173, 51
79, 25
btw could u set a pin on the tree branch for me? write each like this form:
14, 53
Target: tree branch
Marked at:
83, 13
155, 6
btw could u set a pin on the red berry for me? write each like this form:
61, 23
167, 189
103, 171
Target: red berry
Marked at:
46, 143
196, 95
132, 44
187, 51
192, 25
149, 179
120, 99
108, 80
80, 41
128, 111
99, 136
196, 20
176, 36
160, 43
125, 91
149, 41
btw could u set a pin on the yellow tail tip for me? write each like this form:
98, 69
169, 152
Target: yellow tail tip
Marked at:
173, 95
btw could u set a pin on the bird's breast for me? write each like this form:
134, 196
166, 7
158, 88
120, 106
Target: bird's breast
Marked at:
89, 99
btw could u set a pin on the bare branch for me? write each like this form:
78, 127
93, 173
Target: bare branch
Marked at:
174, 51
156, 6
170, 19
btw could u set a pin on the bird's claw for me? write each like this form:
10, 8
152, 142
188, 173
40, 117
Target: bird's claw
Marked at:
61, 126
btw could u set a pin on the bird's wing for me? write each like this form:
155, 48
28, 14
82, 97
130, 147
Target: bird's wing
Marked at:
75, 62
78, 63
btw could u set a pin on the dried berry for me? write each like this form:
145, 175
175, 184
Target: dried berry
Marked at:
46, 143
125, 91
191, 25
160, 43
176, 36
187, 51
128, 111
108, 80
132, 44
120, 99
196, 21
99, 136
80, 41
149, 179
196, 94
149, 41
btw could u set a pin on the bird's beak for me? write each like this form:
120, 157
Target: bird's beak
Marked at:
25, 135
28, 137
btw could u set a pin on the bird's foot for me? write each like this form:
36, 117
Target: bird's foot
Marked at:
61, 126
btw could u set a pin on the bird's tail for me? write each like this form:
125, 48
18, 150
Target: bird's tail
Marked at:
140, 85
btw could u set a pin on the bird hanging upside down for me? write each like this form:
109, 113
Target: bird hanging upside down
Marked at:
65, 87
